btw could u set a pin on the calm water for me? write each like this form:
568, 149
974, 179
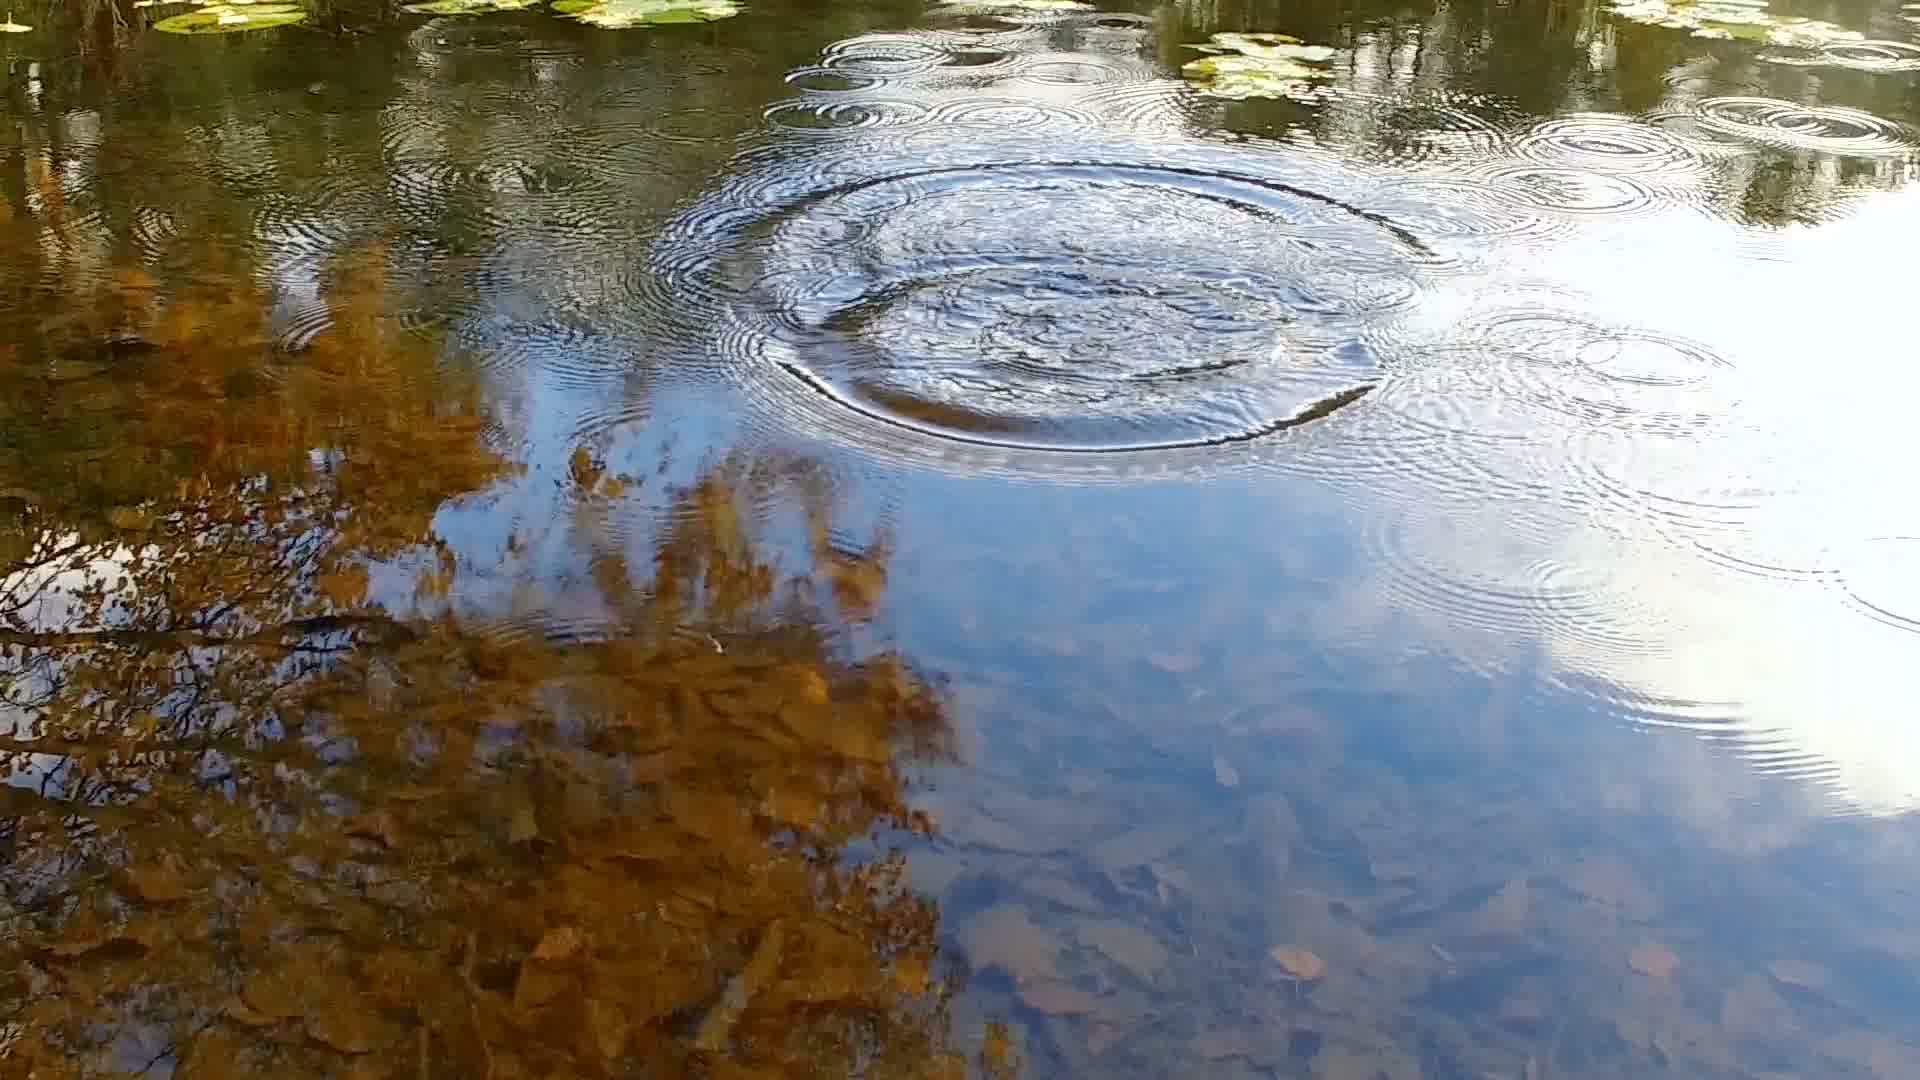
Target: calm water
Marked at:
899, 541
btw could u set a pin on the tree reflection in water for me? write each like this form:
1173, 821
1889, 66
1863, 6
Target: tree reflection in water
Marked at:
267, 814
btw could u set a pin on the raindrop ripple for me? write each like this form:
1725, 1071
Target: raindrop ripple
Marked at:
1025, 294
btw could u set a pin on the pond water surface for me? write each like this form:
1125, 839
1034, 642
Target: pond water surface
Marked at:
871, 539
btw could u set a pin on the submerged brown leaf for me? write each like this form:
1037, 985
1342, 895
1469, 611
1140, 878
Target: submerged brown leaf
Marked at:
1298, 963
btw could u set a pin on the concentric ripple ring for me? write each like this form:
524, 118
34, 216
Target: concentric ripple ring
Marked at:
1008, 297
1827, 128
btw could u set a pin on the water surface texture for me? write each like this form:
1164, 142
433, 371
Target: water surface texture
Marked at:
925, 541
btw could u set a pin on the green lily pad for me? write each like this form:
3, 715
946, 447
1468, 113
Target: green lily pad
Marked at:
1267, 47
1736, 20
624, 14
232, 18
468, 7
1246, 65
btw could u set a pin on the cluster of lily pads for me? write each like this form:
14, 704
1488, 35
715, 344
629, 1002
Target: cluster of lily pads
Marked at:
1250, 65
1735, 20
231, 16
1793, 39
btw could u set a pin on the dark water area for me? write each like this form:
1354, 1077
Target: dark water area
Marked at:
900, 540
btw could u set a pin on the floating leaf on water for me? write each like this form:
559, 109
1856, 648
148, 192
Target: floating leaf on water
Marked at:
1736, 20
1267, 47
1257, 65
1298, 963
1654, 961
1057, 998
232, 18
467, 7
626, 14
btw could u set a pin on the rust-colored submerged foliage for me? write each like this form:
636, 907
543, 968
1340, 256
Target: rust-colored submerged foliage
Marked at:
257, 822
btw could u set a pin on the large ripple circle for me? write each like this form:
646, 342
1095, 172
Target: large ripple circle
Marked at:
1018, 296
1828, 129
